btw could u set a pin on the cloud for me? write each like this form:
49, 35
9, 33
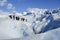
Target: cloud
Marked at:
3, 12
7, 4
3, 2
10, 6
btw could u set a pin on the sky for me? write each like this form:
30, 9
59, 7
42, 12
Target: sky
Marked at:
23, 5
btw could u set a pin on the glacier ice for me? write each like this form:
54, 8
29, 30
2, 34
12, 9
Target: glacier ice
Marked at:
33, 22
50, 35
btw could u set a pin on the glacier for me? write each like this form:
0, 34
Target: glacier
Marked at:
35, 24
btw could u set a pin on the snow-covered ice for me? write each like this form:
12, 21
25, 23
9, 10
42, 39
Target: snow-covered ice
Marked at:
35, 24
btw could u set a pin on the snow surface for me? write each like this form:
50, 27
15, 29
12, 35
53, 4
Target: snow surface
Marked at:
50, 35
35, 24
